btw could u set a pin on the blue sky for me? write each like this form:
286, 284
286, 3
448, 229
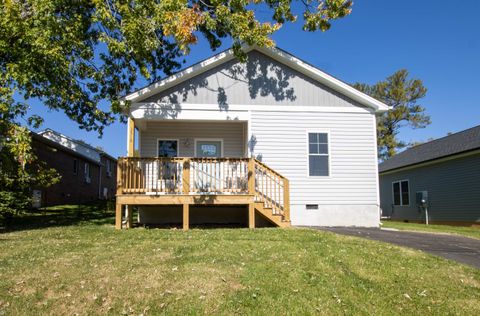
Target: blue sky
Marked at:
437, 41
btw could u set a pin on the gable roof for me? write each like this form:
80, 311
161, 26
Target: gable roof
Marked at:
453, 144
274, 53
48, 142
79, 147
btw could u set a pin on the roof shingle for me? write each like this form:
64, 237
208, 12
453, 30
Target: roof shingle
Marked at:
463, 141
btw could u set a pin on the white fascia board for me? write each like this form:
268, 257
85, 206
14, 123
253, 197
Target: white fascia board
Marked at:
324, 78
142, 110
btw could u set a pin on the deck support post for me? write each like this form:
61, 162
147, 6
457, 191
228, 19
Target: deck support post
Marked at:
186, 176
186, 216
131, 137
129, 216
251, 215
118, 216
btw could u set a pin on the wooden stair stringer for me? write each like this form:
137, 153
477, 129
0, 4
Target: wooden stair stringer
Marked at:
266, 212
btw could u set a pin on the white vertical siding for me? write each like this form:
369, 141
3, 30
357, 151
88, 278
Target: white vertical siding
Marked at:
281, 142
232, 133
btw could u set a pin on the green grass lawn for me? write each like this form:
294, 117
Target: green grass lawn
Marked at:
466, 231
75, 262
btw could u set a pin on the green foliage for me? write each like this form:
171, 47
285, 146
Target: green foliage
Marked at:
402, 94
20, 172
471, 231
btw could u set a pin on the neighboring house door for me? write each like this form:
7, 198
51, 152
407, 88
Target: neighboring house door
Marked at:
208, 174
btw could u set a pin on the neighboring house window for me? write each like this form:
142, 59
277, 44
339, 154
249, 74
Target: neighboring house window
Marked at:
109, 168
318, 154
105, 192
75, 166
87, 173
401, 193
167, 148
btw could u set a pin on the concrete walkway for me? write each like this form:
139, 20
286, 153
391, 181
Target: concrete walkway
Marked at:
461, 249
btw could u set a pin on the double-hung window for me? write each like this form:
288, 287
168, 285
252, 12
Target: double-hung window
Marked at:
318, 153
75, 166
88, 179
401, 193
168, 148
109, 168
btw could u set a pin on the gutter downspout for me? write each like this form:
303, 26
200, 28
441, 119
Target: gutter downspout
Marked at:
100, 180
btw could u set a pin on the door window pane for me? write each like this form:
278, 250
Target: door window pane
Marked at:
167, 148
209, 148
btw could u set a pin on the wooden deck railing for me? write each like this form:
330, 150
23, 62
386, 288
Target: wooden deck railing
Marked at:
272, 189
156, 176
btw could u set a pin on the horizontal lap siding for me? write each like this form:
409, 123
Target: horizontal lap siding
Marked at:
281, 142
232, 134
453, 190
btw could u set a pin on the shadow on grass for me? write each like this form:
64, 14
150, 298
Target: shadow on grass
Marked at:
97, 213
192, 226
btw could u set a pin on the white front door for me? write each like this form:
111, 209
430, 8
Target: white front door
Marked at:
208, 174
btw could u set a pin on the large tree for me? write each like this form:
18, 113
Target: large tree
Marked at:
402, 93
80, 56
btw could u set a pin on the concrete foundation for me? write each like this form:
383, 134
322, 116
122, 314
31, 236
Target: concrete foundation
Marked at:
336, 215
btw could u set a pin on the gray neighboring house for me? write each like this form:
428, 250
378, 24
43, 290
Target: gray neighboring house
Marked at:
447, 168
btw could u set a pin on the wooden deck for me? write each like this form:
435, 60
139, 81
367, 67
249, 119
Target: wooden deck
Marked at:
202, 181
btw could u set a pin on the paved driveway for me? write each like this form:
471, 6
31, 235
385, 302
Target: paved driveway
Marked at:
462, 249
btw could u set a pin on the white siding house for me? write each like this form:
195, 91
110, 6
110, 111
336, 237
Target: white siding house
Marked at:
314, 134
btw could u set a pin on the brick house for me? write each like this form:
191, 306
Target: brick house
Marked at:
88, 174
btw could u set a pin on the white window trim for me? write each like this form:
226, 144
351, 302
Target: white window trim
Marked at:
401, 196
208, 140
88, 178
168, 139
324, 131
75, 170
108, 168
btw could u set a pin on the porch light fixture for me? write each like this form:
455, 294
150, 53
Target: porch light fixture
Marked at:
187, 142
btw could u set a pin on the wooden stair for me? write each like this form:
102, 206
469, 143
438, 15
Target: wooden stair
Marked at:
272, 193
267, 213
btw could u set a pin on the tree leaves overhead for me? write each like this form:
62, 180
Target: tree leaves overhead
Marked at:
402, 94
75, 54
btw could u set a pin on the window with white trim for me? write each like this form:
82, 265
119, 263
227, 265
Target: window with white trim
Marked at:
75, 166
401, 193
167, 148
318, 154
88, 179
109, 168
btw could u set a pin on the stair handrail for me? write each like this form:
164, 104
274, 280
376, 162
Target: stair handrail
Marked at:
277, 203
